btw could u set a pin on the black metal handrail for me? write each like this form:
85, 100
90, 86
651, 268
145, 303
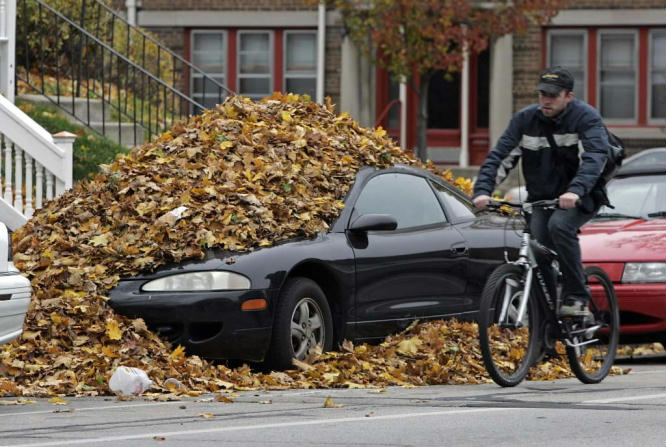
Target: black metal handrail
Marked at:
178, 63
54, 46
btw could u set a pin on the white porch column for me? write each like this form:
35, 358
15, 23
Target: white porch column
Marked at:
7, 47
65, 140
403, 115
501, 86
350, 82
131, 11
463, 162
357, 84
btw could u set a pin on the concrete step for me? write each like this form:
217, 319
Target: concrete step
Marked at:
84, 109
123, 134
95, 112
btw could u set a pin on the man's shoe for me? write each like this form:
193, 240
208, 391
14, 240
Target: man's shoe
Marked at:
576, 307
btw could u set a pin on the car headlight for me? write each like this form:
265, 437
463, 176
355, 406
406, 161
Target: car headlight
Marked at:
198, 281
644, 272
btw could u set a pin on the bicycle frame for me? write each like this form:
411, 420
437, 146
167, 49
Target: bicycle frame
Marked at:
527, 259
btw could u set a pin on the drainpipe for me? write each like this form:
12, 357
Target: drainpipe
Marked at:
131, 11
463, 162
321, 46
403, 114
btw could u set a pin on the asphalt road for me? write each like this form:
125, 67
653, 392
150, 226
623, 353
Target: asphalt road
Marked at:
621, 411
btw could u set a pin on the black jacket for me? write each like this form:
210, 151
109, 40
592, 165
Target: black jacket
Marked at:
574, 166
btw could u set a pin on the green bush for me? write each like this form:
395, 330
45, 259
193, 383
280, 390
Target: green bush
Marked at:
90, 149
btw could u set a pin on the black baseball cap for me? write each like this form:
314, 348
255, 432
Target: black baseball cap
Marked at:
555, 79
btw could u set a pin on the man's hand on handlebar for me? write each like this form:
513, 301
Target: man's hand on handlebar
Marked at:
481, 201
567, 200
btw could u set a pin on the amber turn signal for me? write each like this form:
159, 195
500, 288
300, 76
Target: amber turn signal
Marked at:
257, 304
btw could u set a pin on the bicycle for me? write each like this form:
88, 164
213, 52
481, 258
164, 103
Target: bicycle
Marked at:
518, 321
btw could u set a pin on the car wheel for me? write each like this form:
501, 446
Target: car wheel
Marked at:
302, 321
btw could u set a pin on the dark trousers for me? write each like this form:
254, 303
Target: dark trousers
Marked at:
558, 230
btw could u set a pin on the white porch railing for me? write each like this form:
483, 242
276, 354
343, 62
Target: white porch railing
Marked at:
34, 165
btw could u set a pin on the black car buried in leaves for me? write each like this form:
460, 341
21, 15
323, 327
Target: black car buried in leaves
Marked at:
406, 246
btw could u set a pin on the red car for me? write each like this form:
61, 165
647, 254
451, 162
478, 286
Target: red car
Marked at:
629, 243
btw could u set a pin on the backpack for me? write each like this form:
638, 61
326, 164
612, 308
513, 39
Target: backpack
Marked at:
616, 154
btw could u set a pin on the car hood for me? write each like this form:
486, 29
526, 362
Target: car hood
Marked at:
626, 240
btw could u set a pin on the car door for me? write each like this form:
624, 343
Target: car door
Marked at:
414, 271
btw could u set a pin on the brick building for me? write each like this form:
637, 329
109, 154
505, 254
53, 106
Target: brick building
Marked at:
616, 50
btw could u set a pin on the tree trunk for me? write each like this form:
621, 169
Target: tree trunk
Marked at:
422, 119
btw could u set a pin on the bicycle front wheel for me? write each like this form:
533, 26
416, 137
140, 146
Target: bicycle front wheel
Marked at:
508, 346
595, 341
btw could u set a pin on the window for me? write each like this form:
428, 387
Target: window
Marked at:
300, 66
209, 53
454, 205
406, 197
567, 48
657, 93
255, 69
617, 75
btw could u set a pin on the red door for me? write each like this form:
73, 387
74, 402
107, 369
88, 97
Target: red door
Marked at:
443, 112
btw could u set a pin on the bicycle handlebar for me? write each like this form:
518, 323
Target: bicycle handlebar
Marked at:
527, 206
544, 204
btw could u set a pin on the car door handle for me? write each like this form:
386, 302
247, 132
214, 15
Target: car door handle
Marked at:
460, 250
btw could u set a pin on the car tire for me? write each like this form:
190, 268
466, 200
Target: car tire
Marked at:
302, 319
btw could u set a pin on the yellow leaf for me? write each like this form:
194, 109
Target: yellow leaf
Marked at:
58, 401
379, 132
330, 404
113, 330
178, 353
226, 144
109, 351
205, 415
286, 116
409, 346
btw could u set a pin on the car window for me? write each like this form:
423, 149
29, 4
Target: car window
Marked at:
456, 207
637, 195
406, 197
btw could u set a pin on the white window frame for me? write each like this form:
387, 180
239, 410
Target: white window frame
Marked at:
225, 62
285, 73
650, 120
571, 32
271, 61
607, 31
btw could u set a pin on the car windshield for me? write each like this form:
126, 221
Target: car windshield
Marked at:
639, 196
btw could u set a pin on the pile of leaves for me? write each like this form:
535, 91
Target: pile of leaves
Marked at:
247, 174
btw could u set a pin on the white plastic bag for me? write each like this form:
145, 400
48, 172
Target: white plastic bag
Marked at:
128, 381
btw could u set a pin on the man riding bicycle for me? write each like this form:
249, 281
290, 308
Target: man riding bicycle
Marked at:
564, 145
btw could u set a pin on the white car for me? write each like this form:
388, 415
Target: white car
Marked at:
15, 292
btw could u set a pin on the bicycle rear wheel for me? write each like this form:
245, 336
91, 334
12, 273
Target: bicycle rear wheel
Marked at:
508, 349
592, 361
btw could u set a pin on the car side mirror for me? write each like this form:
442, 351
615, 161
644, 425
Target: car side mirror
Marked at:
374, 222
